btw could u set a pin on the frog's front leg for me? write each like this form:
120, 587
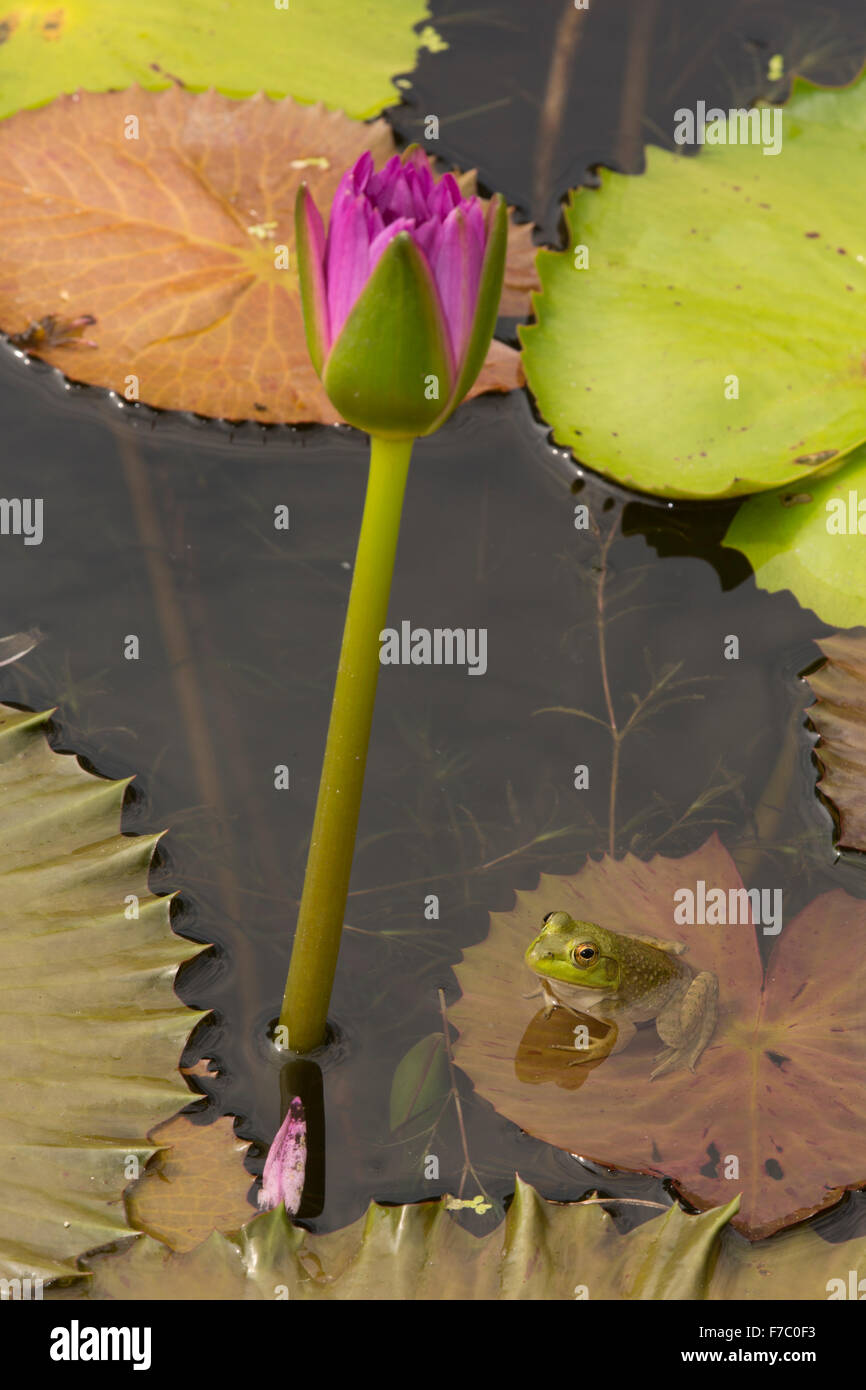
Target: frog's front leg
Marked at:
687, 1024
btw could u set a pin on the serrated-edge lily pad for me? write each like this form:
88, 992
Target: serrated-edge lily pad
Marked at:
713, 345
284, 49
90, 1026
839, 715
542, 1250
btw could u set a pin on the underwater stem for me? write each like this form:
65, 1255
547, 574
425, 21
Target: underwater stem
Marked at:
615, 733
329, 863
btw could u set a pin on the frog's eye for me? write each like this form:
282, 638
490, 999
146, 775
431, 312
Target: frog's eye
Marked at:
584, 954
548, 916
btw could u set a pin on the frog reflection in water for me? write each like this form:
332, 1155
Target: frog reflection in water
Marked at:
625, 980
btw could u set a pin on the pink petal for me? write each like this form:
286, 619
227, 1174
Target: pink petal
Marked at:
362, 171
397, 200
456, 271
285, 1165
428, 236
445, 196
377, 246
416, 191
474, 214
418, 161
381, 182
347, 267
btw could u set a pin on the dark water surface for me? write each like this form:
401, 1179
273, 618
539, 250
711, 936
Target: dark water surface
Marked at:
163, 528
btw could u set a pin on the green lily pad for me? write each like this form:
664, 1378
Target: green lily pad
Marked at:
99, 45
716, 343
807, 539
795, 1264
542, 1250
90, 1027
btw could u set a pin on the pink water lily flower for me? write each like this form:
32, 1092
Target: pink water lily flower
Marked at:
400, 299
286, 1163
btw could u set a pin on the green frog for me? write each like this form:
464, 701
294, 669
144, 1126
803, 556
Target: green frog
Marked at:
624, 980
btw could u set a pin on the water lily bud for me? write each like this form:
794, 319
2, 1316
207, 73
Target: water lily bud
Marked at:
286, 1163
400, 299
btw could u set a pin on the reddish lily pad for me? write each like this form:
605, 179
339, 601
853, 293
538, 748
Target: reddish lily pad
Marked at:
176, 248
839, 715
772, 1101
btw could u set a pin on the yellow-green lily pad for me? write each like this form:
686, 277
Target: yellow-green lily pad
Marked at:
282, 49
808, 539
715, 342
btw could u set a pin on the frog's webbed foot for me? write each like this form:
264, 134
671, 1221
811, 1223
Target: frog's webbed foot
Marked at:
687, 1025
667, 1060
596, 1049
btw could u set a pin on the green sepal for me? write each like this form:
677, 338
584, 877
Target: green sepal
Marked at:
393, 341
487, 308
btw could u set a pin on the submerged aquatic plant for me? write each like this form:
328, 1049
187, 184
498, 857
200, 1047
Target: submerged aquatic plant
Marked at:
400, 302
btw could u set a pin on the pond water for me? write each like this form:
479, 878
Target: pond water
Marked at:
164, 528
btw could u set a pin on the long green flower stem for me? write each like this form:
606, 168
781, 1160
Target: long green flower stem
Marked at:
329, 864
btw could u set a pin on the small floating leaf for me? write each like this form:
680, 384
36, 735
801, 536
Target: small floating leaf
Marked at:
421, 1080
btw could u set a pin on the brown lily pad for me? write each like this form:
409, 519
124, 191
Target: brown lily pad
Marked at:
839, 715
771, 1111
168, 245
196, 1184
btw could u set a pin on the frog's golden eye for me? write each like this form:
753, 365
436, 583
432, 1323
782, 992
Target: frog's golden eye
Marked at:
548, 916
586, 953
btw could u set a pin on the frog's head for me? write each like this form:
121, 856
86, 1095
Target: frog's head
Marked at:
578, 953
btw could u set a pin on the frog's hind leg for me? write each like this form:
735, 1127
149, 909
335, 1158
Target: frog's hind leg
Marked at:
687, 1024
625, 1031
707, 1016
